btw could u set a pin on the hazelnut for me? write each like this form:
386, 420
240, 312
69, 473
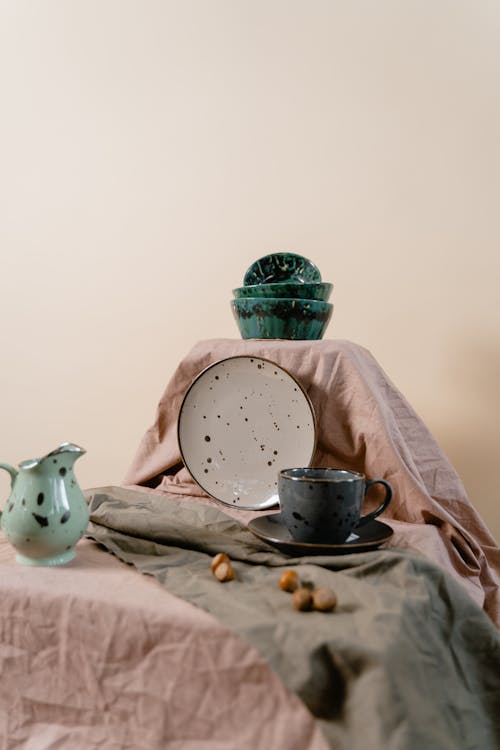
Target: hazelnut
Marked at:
224, 572
324, 599
302, 599
289, 581
220, 557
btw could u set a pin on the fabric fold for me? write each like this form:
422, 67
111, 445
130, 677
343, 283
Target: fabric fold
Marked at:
364, 424
398, 644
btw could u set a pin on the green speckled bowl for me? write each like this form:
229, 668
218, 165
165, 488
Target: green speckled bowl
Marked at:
290, 289
277, 267
297, 319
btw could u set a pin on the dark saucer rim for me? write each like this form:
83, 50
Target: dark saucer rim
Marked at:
385, 532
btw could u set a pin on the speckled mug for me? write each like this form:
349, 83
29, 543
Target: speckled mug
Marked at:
324, 505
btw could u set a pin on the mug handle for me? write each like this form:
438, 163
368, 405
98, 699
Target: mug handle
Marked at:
383, 506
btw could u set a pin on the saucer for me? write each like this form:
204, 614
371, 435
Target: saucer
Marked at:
272, 530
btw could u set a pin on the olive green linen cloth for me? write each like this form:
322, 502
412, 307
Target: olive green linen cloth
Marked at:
407, 660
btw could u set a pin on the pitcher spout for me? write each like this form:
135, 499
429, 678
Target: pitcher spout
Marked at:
66, 448
75, 451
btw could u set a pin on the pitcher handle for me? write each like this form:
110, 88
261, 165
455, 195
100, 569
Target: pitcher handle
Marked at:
13, 472
382, 506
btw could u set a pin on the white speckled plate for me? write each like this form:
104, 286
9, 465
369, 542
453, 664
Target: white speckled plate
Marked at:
242, 420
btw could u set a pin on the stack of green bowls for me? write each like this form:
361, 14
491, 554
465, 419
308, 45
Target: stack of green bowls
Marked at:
282, 297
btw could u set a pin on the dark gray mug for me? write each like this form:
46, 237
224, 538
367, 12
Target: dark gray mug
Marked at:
324, 505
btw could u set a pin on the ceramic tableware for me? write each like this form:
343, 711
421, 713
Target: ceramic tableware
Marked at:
324, 505
296, 319
276, 267
241, 419
272, 529
320, 290
46, 513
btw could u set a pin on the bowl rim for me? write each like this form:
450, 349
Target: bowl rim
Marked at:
299, 284
277, 300
287, 283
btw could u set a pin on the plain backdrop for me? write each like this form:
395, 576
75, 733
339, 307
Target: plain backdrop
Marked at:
151, 150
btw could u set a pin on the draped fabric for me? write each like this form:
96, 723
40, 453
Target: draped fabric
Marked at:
363, 423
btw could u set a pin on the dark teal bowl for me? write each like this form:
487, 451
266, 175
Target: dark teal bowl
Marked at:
296, 319
291, 289
281, 267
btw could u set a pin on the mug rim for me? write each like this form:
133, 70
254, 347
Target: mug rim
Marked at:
355, 475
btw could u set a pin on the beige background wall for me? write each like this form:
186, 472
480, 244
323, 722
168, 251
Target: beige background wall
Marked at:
150, 151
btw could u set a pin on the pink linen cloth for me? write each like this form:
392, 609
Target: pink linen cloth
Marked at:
97, 657
363, 423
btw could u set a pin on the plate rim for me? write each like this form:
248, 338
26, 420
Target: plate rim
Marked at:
202, 372
318, 546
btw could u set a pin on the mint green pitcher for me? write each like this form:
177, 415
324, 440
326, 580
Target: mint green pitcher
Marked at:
46, 513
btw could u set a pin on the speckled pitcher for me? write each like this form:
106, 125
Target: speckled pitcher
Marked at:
46, 513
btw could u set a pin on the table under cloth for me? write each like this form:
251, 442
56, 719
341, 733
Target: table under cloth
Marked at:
95, 655
406, 661
364, 423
